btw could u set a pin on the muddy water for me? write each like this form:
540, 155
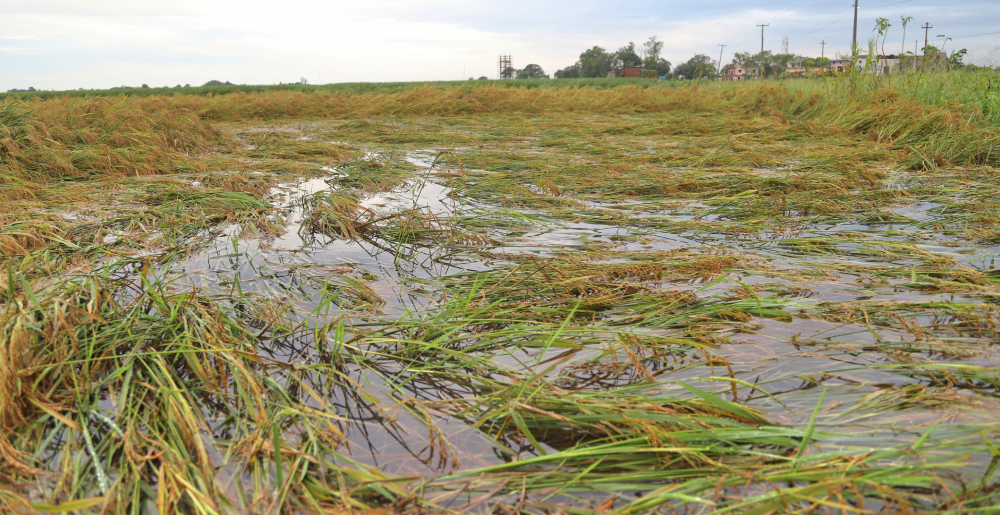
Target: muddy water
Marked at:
792, 362
301, 268
297, 263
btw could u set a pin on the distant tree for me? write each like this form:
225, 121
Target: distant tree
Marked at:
508, 73
700, 66
627, 56
145, 86
596, 62
217, 83
177, 86
651, 58
662, 66
779, 63
532, 71
303, 81
187, 85
484, 78
472, 78
786, 60
651, 49
752, 61
649, 74
569, 72
956, 58
776, 65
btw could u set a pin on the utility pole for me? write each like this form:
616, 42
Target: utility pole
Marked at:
855, 44
927, 27
761, 71
822, 54
720, 58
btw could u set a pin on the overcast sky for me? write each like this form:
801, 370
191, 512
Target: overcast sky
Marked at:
68, 44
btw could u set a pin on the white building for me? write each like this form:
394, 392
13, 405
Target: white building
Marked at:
738, 73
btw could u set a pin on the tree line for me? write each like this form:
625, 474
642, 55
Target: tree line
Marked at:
598, 62
144, 86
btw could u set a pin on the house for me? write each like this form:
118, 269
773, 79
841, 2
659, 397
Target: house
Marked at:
846, 64
933, 61
732, 73
801, 71
886, 64
841, 65
881, 65
628, 72
797, 71
738, 73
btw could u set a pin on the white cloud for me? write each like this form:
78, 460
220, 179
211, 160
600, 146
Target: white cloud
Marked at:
56, 44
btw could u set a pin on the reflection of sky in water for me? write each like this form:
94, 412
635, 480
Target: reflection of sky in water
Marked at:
794, 359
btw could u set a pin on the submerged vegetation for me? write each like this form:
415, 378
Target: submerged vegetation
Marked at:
716, 298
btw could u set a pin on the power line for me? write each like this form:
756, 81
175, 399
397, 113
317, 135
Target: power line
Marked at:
886, 5
834, 22
819, 10
975, 35
829, 10
809, 6
824, 4
822, 10
802, 34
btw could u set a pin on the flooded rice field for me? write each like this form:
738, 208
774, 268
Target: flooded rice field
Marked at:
551, 315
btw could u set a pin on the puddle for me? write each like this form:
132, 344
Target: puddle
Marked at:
375, 281
297, 264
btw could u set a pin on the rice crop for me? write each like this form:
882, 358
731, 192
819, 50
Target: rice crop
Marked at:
696, 299
345, 87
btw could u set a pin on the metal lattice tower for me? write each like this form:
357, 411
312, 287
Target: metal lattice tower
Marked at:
504, 62
784, 45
